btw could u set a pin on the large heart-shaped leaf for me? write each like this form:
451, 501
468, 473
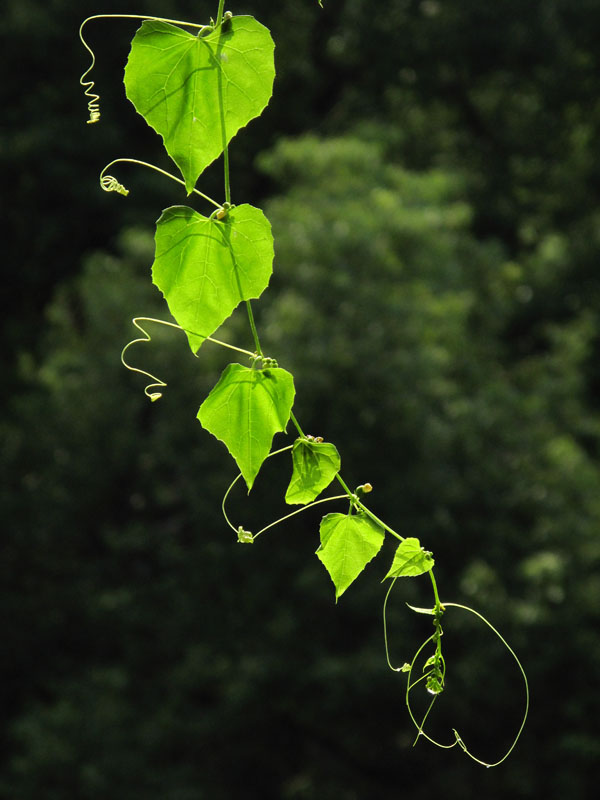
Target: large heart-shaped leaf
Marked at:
204, 267
410, 560
314, 467
245, 410
348, 543
198, 91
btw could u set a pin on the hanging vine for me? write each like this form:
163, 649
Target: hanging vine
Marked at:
197, 91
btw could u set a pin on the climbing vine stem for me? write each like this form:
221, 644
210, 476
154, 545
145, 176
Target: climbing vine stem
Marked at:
220, 12
197, 90
253, 328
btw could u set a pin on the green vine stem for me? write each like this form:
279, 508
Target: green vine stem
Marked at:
253, 328
220, 12
410, 685
270, 383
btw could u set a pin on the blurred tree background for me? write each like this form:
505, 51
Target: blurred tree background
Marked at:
430, 169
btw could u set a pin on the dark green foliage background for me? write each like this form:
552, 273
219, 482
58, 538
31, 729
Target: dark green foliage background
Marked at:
431, 173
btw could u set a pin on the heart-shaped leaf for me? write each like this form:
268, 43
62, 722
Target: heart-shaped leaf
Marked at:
410, 560
348, 543
204, 267
315, 466
198, 91
245, 410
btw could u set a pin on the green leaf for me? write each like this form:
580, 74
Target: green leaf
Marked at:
411, 560
418, 610
314, 467
205, 267
198, 91
348, 543
245, 410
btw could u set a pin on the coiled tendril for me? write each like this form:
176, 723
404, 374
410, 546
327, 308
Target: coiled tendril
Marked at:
157, 383
94, 99
410, 685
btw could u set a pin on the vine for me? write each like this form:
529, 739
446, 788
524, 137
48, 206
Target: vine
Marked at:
197, 91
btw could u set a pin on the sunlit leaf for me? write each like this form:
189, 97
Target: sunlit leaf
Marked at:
205, 267
348, 543
420, 610
197, 91
314, 467
245, 410
409, 561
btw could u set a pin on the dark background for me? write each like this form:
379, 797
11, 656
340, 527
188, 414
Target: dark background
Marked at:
431, 173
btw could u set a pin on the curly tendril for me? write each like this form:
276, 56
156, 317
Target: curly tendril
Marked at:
438, 658
110, 184
246, 536
157, 383
94, 99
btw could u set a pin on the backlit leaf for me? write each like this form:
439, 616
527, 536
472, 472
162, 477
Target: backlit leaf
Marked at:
314, 467
205, 267
198, 91
409, 561
245, 410
348, 543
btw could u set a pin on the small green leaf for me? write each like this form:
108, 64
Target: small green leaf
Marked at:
205, 267
198, 91
410, 560
434, 685
314, 467
430, 611
348, 543
245, 410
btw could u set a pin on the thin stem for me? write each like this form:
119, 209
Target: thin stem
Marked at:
299, 511
409, 686
438, 605
225, 496
350, 494
253, 327
459, 741
376, 519
236, 479
297, 424
385, 636
139, 16
226, 174
221, 106
220, 13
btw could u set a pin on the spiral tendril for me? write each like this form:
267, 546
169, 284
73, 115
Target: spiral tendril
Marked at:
410, 684
94, 99
156, 383
110, 184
